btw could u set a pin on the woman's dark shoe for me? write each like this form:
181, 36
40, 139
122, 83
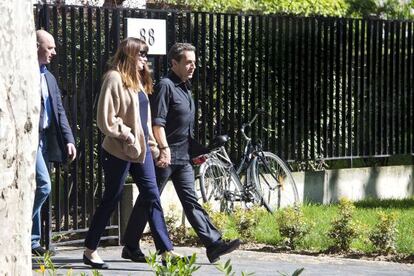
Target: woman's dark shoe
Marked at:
93, 264
135, 255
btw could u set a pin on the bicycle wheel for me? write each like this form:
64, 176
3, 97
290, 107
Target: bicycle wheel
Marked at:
218, 186
273, 181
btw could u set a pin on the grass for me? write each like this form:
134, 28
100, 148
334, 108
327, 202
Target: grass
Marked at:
320, 217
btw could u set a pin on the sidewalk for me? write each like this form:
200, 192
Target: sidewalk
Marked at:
261, 263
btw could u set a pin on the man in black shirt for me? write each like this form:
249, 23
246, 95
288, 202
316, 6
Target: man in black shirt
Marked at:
173, 113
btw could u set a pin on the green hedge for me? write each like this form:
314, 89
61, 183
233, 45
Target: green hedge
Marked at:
387, 9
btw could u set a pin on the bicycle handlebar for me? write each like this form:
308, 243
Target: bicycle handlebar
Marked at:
248, 124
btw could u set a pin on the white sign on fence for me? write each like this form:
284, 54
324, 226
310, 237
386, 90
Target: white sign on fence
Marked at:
153, 31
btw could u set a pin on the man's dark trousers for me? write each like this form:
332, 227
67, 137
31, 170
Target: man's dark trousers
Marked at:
182, 177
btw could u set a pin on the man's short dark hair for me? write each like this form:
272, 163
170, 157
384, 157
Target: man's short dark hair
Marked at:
177, 51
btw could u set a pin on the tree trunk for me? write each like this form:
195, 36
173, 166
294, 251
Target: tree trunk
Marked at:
19, 115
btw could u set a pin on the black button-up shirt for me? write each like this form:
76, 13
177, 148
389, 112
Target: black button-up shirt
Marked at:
173, 108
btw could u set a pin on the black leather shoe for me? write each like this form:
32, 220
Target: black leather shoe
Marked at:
133, 255
93, 264
40, 251
221, 248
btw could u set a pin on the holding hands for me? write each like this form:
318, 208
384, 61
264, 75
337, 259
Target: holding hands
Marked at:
164, 160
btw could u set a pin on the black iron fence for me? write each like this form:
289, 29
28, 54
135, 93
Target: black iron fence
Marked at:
333, 87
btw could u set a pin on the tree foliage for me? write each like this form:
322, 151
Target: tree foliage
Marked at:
300, 7
387, 9
305, 7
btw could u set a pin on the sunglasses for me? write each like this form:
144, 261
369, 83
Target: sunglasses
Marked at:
143, 54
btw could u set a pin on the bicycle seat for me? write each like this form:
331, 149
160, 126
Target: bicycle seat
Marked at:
218, 141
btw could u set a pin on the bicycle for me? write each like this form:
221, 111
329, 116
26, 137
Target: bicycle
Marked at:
267, 180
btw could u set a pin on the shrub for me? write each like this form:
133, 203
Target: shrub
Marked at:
246, 221
227, 269
343, 229
292, 225
178, 231
171, 217
383, 236
47, 267
217, 218
297, 272
178, 268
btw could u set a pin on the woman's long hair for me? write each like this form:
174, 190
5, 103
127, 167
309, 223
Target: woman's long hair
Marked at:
125, 62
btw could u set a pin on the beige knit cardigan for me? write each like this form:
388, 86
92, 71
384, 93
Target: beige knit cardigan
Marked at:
118, 115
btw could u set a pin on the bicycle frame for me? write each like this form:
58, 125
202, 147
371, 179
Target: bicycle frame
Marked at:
250, 147
245, 188
254, 149
250, 150
251, 189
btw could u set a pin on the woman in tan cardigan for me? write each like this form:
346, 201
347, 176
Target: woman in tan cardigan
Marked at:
124, 117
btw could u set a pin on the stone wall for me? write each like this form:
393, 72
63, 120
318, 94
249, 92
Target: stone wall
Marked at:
356, 184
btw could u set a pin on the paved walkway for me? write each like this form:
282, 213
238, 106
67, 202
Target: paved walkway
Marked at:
261, 263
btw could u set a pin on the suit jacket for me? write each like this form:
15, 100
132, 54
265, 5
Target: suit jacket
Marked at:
59, 133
